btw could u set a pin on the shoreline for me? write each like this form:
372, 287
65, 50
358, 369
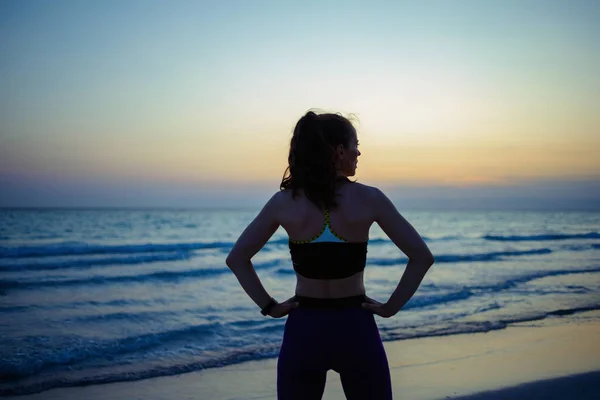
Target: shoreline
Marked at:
525, 357
580, 386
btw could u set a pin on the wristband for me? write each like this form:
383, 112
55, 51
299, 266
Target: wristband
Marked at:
272, 303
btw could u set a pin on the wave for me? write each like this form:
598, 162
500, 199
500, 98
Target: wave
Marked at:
474, 290
547, 237
82, 248
457, 258
85, 249
423, 301
236, 356
502, 238
122, 303
233, 357
75, 350
77, 248
139, 278
161, 314
208, 272
49, 264
282, 241
94, 262
511, 283
413, 332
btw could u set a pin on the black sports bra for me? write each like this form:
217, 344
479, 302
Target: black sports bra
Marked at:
327, 255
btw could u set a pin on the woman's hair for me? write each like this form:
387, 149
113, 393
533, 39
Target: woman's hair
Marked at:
311, 162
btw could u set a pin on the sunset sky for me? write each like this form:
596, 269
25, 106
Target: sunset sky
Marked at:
184, 103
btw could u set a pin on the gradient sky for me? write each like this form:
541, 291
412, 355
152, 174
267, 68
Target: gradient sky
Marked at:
183, 103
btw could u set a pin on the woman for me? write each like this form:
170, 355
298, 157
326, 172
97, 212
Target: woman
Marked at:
331, 322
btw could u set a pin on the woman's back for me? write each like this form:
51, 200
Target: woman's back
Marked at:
351, 219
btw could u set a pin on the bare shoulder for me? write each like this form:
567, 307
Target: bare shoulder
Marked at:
283, 198
281, 202
365, 192
279, 199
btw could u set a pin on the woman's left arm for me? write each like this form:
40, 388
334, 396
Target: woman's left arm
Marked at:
249, 243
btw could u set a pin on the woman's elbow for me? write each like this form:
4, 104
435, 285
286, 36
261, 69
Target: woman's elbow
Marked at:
425, 258
429, 259
231, 260
235, 260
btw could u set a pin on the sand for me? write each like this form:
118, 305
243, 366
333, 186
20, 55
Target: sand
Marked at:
555, 358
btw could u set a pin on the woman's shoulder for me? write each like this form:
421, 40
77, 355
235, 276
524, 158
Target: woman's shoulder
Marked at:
366, 192
358, 191
283, 198
285, 195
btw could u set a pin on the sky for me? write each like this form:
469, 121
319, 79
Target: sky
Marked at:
192, 103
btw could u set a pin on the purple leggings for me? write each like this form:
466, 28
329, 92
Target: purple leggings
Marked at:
345, 340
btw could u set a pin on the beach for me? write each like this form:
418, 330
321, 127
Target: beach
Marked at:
139, 304
557, 357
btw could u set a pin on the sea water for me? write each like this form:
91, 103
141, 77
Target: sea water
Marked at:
97, 296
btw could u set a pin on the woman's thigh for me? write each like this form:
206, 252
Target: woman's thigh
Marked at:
302, 363
360, 358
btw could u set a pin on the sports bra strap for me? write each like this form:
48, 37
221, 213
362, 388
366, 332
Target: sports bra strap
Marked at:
326, 229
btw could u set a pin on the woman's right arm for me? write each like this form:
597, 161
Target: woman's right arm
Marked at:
406, 238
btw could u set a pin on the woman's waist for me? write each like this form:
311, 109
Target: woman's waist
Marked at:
344, 287
330, 302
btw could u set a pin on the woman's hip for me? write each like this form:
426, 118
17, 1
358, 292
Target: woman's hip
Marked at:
330, 303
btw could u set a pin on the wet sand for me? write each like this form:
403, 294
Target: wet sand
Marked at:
555, 358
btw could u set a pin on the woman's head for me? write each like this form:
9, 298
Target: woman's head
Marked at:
323, 151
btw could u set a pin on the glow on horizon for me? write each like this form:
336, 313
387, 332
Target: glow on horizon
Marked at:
461, 94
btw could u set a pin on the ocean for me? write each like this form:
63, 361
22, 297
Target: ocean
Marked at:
98, 296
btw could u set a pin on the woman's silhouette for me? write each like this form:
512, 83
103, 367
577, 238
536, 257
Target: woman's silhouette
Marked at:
331, 322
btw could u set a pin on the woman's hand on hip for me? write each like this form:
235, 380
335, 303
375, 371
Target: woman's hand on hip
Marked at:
283, 309
381, 309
